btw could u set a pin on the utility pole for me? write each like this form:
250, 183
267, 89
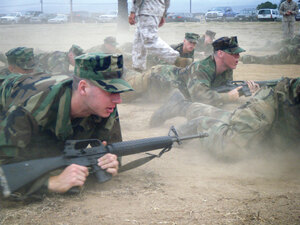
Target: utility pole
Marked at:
71, 11
190, 6
42, 6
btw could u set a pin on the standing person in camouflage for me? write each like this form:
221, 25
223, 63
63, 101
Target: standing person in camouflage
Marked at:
109, 46
41, 112
269, 120
58, 62
289, 9
20, 61
288, 54
149, 15
204, 45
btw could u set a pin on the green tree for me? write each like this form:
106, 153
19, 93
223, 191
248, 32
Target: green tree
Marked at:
266, 5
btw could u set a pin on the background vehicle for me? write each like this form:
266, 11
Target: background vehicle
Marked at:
11, 18
41, 18
60, 18
268, 15
220, 14
29, 14
246, 15
181, 17
108, 18
82, 17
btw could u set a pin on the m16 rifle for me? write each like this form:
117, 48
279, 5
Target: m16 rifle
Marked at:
16, 175
245, 90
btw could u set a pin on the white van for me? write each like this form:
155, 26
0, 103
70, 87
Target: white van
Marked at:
268, 15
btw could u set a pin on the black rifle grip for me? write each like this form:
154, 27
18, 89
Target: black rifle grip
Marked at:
101, 175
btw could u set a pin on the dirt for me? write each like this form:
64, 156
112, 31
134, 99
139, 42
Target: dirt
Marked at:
186, 185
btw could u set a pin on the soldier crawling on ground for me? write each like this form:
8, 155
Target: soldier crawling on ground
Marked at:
57, 62
204, 47
20, 61
196, 81
109, 46
270, 119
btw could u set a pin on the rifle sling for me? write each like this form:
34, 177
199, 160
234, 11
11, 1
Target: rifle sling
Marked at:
139, 162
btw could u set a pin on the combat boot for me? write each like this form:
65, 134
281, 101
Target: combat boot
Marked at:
183, 62
176, 105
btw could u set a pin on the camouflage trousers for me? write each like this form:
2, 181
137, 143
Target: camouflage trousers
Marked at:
288, 28
146, 39
232, 133
155, 84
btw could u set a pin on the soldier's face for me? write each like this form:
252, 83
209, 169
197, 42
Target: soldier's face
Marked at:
188, 46
96, 101
230, 60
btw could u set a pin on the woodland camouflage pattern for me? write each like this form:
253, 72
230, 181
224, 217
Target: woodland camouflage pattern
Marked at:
22, 57
104, 70
270, 118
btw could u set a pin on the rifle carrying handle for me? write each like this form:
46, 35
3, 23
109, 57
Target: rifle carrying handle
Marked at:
101, 175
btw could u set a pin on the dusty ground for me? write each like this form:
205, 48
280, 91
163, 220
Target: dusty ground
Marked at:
186, 185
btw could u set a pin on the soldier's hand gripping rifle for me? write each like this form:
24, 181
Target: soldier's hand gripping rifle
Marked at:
16, 175
245, 90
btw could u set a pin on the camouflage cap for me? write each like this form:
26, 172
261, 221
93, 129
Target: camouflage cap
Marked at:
22, 57
192, 37
76, 50
211, 34
103, 70
229, 45
110, 40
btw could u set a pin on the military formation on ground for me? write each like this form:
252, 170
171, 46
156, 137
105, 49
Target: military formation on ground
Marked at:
51, 97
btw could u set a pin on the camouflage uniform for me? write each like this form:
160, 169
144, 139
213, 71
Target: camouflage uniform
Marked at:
288, 21
153, 60
56, 62
269, 119
148, 16
102, 48
21, 57
202, 47
288, 54
35, 120
196, 81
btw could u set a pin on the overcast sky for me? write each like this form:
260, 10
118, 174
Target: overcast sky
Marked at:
63, 6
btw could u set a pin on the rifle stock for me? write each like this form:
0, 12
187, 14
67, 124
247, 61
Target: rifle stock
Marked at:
16, 175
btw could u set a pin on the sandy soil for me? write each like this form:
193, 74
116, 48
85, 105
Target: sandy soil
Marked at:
186, 185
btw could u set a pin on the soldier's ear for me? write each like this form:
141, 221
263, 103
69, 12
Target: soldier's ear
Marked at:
82, 87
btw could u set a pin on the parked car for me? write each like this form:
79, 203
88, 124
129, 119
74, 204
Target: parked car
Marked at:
268, 15
181, 17
108, 18
29, 14
41, 18
60, 18
246, 15
82, 17
11, 18
297, 17
220, 14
